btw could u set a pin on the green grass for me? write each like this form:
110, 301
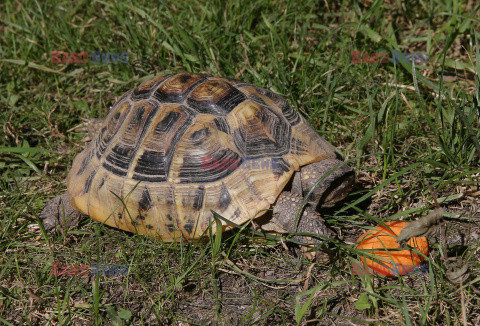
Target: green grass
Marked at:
411, 133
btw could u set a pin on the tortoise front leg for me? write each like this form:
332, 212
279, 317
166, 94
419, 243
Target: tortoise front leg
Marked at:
58, 212
285, 213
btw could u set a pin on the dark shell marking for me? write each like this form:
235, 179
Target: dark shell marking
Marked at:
145, 202
88, 182
189, 225
199, 197
225, 198
85, 162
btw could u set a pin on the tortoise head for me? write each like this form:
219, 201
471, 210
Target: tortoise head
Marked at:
335, 180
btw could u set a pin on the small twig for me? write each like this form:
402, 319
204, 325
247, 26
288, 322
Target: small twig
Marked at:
284, 245
307, 281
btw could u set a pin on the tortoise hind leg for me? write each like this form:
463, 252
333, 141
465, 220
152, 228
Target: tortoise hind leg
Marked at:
58, 212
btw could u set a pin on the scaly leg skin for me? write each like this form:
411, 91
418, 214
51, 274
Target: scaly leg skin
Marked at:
285, 213
58, 212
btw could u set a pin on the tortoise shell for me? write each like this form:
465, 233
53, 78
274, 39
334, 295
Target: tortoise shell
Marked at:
152, 168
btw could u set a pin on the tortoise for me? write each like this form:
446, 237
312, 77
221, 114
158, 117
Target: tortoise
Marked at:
180, 146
